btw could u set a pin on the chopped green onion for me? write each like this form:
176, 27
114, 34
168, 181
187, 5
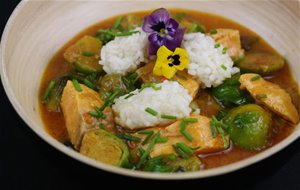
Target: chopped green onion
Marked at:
172, 156
100, 113
213, 31
224, 50
168, 117
145, 132
77, 85
196, 27
262, 96
221, 132
101, 126
148, 85
190, 120
128, 96
255, 78
88, 54
180, 151
145, 141
93, 113
217, 45
185, 148
128, 137
133, 76
119, 33
213, 126
238, 60
89, 84
193, 110
110, 99
162, 140
223, 67
186, 135
147, 151
182, 125
151, 111
141, 150
49, 90
117, 22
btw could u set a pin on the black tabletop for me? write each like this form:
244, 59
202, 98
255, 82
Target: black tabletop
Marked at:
27, 162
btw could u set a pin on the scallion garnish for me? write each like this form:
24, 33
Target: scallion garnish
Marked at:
180, 152
128, 137
162, 140
213, 127
222, 133
190, 120
110, 99
223, 67
77, 85
168, 116
172, 156
185, 148
213, 31
133, 76
100, 113
224, 50
49, 90
102, 126
145, 141
141, 150
147, 151
117, 22
128, 96
195, 28
151, 111
262, 95
217, 45
89, 84
118, 33
186, 135
255, 78
145, 132
148, 85
93, 113
88, 54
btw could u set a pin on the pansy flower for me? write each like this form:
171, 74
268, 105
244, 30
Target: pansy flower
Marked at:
162, 30
168, 62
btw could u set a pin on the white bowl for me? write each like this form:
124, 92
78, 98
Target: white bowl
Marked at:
37, 29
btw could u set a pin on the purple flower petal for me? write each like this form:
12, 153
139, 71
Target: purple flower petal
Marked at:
152, 49
157, 17
172, 26
172, 44
155, 41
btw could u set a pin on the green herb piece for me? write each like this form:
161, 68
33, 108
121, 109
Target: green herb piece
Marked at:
128, 137
117, 22
102, 126
238, 60
110, 99
145, 132
193, 110
190, 120
93, 113
133, 76
141, 150
172, 156
100, 113
196, 28
213, 31
148, 85
222, 133
185, 148
186, 135
162, 140
223, 67
89, 84
213, 127
151, 111
77, 85
180, 151
149, 135
128, 96
49, 90
168, 117
147, 151
88, 54
224, 50
217, 45
255, 78
262, 95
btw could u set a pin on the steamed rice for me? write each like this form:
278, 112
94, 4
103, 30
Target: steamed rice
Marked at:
171, 99
208, 64
124, 54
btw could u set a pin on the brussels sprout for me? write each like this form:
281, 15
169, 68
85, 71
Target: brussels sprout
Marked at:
85, 55
248, 41
167, 164
105, 147
248, 126
261, 63
228, 94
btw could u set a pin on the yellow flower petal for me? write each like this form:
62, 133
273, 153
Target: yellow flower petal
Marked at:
168, 71
184, 59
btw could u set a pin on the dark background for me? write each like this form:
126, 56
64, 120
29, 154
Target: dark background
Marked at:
27, 162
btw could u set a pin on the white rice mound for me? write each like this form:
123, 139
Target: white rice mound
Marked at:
123, 54
206, 61
171, 99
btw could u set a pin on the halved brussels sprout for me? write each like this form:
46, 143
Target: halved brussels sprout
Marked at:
248, 126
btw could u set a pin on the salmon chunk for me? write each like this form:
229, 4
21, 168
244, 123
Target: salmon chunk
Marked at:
202, 142
270, 95
186, 80
230, 39
76, 107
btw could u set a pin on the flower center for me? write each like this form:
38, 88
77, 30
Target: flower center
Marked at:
160, 28
174, 60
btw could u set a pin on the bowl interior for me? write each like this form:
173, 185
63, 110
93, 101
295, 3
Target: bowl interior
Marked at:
37, 29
